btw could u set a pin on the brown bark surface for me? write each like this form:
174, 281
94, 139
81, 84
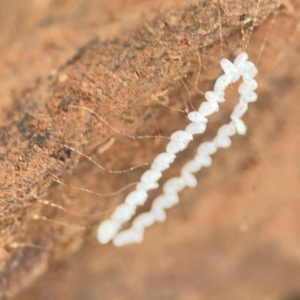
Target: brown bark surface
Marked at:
235, 236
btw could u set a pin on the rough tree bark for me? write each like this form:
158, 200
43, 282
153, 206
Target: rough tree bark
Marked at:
119, 69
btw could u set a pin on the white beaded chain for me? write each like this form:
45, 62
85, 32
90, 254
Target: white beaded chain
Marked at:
179, 141
173, 186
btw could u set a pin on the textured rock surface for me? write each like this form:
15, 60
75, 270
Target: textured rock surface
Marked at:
236, 236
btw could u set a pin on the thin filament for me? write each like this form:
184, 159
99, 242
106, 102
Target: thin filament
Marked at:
266, 36
199, 72
43, 218
117, 131
57, 206
101, 167
253, 23
94, 193
220, 26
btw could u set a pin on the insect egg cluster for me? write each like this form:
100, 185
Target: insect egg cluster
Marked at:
179, 140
